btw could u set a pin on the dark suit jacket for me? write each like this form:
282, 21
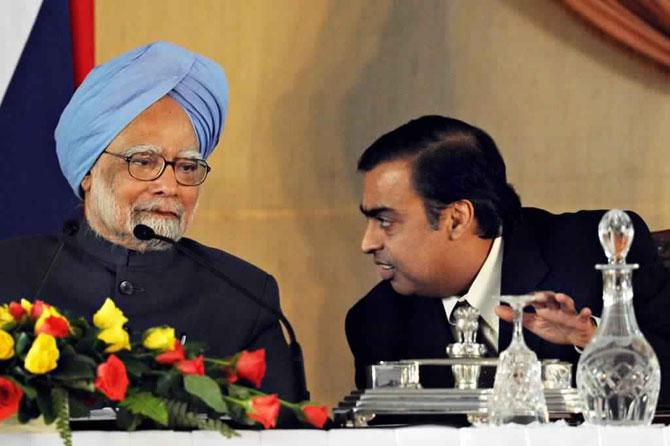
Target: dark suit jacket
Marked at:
155, 288
543, 251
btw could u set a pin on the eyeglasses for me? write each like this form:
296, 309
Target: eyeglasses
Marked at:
147, 166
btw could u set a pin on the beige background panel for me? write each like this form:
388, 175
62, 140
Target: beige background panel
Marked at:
581, 123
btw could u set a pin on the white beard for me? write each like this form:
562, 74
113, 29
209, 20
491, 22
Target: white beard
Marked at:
117, 223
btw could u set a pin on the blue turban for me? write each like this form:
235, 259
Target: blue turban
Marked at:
116, 92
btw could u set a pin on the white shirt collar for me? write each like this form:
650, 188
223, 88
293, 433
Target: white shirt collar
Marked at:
485, 289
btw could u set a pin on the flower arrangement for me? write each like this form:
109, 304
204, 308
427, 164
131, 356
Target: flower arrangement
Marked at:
57, 367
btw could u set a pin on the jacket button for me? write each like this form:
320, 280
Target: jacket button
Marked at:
126, 287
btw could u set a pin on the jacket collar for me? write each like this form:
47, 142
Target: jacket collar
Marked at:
523, 267
89, 241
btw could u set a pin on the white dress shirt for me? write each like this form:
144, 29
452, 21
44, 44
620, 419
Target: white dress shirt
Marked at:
483, 294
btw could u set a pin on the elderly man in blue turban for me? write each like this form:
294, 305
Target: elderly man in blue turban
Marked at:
133, 144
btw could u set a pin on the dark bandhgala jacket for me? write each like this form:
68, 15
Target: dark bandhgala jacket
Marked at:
155, 288
542, 251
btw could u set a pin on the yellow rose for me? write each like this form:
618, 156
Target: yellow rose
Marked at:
109, 316
116, 339
159, 338
6, 345
27, 306
5, 316
43, 355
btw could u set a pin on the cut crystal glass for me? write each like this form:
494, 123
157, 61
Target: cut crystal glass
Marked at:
518, 393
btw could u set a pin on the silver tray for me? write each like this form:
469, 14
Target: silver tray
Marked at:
361, 406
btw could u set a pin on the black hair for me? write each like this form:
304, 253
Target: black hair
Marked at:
451, 161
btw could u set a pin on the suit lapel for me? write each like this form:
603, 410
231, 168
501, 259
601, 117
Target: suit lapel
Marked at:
428, 330
523, 270
429, 333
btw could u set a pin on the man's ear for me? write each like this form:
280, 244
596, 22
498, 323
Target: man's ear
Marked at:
86, 183
461, 219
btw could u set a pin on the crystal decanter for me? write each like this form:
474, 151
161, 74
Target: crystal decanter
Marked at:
618, 375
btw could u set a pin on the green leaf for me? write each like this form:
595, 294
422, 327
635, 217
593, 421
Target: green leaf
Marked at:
239, 392
193, 349
211, 424
80, 322
88, 342
239, 414
77, 408
126, 420
207, 390
28, 410
86, 385
145, 404
8, 326
167, 381
134, 367
45, 402
77, 330
60, 403
67, 350
181, 417
74, 367
29, 391
19, 371
21, 343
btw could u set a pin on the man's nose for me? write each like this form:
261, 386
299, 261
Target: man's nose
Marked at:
166, 184
371, 241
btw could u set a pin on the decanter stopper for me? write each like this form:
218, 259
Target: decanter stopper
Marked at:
616, 235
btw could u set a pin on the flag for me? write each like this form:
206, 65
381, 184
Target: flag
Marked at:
47, 47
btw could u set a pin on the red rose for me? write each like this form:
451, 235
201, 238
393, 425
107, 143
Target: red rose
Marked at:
172, 356
10, 397
315, 415
251, 366
55, 326
192, 366
264, 409
112, 379
16, 310
37, 309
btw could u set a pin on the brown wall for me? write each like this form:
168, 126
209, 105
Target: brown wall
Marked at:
581, 123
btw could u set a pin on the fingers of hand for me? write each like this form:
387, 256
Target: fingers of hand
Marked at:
567, 320
541, 297
585, 315
531, 321
545, 300
566, 303
558, 332
553, 301
559, 317
504, 312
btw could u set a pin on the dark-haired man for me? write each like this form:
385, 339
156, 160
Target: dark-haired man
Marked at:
444, 226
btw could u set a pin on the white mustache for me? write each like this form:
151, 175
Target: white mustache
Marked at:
161, 206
